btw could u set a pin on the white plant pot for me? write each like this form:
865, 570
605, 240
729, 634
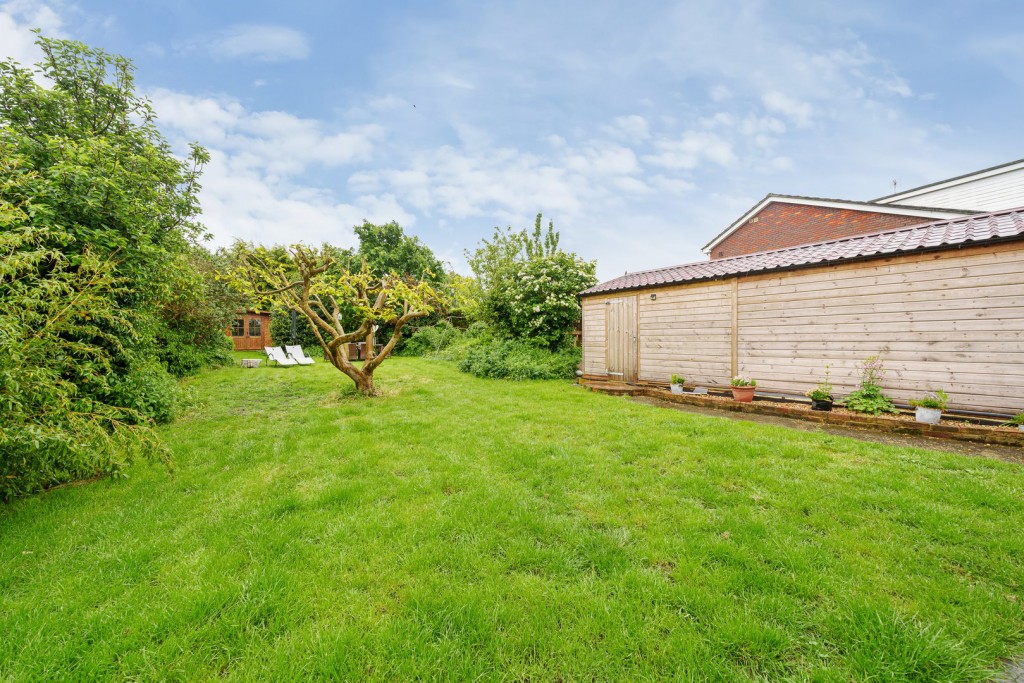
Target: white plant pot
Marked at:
1020, 428
928, 415
676, 388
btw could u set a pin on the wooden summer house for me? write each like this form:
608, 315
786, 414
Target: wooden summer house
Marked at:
940, 301
250, 331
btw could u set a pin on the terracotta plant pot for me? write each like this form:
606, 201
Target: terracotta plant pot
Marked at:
825, 405
743, 394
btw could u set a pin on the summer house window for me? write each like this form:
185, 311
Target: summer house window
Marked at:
254, 327
238, 328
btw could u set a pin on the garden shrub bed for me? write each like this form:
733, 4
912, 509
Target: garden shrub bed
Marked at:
902, 423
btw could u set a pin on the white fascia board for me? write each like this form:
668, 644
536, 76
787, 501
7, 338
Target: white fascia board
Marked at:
830, 204
944, 184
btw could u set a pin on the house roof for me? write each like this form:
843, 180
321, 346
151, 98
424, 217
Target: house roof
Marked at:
1000, 225
898, 209
952, 182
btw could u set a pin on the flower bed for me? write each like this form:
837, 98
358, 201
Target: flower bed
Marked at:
900, 424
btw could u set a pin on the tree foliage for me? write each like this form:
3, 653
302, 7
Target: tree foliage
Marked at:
387, 249
342, 307
527, 286
56, 322
102, 223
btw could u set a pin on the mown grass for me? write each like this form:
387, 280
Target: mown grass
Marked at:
459, 528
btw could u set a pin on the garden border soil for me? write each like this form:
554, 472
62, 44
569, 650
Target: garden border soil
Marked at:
959, 431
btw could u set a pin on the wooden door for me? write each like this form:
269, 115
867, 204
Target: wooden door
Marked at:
621, 336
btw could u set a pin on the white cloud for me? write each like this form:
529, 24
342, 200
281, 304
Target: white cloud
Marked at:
458, 184
604, 159
264, 43
720, 93
262, 181
633, 128
17, 18
689, 150
275, 141
453, 81
672, 185
796, 111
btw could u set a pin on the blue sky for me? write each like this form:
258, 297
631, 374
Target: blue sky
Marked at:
642, 129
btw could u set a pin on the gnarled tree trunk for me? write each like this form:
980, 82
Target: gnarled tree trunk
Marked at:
391, 299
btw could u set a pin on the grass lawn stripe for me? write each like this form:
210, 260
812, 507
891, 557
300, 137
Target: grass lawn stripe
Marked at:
458, 528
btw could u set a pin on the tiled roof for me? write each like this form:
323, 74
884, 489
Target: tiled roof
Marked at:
1005, 224
924, 212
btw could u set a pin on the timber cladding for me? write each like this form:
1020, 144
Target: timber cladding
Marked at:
250, 331
952, 320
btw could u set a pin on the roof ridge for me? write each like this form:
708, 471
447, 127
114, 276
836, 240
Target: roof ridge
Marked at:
775, 259
949, 180
866, 206
872, 203
879, 233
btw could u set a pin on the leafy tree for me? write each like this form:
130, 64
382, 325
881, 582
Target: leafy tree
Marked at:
56, 322
542, 299
527, 285
332, 302
387, 249
103, 285
109, 183
196, 313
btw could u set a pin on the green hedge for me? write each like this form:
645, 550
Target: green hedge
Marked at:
509, 359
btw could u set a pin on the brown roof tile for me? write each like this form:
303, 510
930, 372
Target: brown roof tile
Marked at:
1005, 224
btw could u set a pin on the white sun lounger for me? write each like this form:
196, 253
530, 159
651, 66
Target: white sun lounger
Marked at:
299, 355
276, 355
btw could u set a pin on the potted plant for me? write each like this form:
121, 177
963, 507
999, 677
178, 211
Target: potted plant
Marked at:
821, 395
677, 384
1017, 420
743, 388
930, 407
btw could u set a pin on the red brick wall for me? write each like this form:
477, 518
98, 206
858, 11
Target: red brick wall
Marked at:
781, 225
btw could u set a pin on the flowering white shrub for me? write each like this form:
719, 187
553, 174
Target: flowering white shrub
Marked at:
541, 298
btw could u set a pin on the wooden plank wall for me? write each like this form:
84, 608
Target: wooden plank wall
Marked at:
594, 336
952, 320
686, 331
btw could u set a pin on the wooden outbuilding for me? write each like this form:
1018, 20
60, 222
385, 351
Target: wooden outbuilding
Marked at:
250, 331
942, 304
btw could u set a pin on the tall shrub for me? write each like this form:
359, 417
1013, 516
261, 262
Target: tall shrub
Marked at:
528, 286
55, 323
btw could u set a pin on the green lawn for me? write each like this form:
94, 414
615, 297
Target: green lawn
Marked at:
459, 528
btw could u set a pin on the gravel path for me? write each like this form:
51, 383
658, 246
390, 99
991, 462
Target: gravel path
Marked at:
1014, 672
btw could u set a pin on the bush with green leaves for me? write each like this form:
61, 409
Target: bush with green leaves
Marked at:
430, 340
542, 297
281, 330
518, 360
55, 322
189, 330
103, 287
527, 286
868, 397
